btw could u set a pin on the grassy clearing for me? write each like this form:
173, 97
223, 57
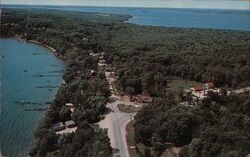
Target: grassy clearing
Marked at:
176, 85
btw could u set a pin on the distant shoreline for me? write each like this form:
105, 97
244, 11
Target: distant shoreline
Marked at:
242, 5
142, 16
40, 6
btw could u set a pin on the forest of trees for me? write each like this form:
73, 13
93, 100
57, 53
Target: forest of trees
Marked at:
218, 126
157, 54
145, 59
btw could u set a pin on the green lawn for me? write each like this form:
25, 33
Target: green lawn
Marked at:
127, 108
176, 85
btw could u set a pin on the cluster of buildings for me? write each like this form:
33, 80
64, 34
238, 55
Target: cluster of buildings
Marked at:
137, 100
70, 126
61, 126
101, 57
67, 126
143, 98
201, 91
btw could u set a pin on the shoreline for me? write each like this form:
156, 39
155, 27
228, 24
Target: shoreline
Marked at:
45, 45
50, 48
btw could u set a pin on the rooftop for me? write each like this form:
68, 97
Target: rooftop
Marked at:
70, 122
69, 104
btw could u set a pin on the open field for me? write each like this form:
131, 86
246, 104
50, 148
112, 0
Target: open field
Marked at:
176, 85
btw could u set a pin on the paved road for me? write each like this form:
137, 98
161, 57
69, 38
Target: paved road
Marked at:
116, 122
242, 90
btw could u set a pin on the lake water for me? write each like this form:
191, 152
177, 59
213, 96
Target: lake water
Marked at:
194, 18
198, 18
21, 85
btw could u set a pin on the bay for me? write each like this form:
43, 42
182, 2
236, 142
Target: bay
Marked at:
169, 17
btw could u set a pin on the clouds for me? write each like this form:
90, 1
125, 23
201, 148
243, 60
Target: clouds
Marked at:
220, 4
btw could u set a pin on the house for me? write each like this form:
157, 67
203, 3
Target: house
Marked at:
58, 126
92, 72
198, 88
69, 105
93, 54
209, 85
145, 98
101, 57
70, 124
102, 61
72, 109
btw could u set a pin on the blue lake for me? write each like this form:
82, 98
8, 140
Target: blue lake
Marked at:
21, 67
197, 18
194, 18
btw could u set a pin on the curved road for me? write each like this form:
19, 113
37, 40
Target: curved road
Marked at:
116, 122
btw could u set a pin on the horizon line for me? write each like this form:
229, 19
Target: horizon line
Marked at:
116, 6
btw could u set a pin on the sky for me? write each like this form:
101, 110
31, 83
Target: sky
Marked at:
217, 4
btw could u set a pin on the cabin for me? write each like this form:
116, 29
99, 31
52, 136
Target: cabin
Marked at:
101, 57
209, 85
198, 88
70, 124
69, 105
145, 98
58, 126
92, 72
102, 61
72, 109
93, 54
